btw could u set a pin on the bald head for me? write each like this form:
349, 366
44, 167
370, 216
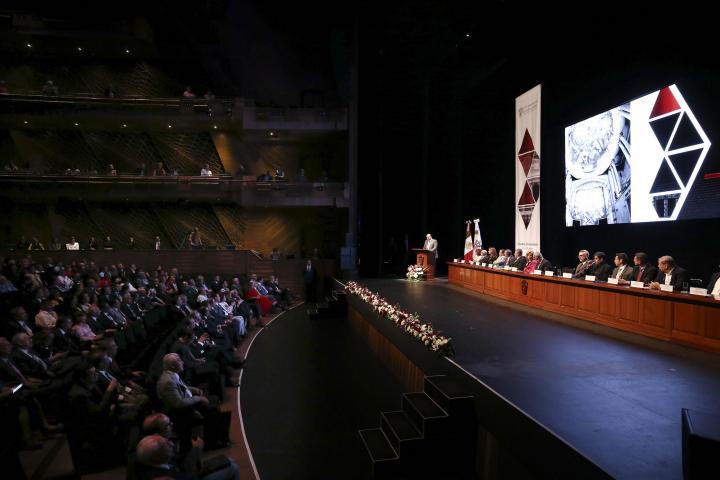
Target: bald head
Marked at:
154, 450
157, 424
666, 263
172, 362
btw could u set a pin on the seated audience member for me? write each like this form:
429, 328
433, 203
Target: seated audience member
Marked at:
492, 255
93, 408
111, 170
509, 257
140, 171
172, 391
543, 263
82, 330
622, 271
18, 322
188, 93
520, 260
300, 177
55, 245
157, 243
159, 170
323, 178
49, 89
599, 268
265, 177
73, 244
206, 172
195, 240
275, 255
22, 244
107, 243
279, 173
670, 274
584, 266
35, 244
46, 318
160, 424
27, 360
131, 244
6, 286
531, 262
643, 271
92, 244
156, 458
713, 286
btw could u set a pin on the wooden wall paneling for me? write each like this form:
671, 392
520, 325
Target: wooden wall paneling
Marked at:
689, 318
629, 309
656, 314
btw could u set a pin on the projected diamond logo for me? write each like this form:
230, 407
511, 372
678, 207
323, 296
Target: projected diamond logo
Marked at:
684, 145
530, 161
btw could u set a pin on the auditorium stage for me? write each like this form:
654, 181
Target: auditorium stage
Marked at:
615, 397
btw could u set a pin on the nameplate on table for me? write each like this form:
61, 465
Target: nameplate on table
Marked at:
666, 288
549, 273
698, 291
635, 284
506, 267
483, 264
567, 275
537, 272
590, 278
455, 260
514, 269
612, 281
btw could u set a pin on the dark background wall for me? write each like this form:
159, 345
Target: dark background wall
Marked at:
456, 107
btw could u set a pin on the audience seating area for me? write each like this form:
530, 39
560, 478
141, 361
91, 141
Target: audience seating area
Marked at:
89, 343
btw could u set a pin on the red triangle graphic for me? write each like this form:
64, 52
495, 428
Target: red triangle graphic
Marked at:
665, 103
527, 197
526, 161
527, 144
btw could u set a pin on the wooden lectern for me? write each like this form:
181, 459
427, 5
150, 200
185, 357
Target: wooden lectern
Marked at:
426, 258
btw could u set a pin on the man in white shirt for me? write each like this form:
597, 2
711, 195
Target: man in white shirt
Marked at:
622, 271
670, 274
73, 245
206, 172
713, 286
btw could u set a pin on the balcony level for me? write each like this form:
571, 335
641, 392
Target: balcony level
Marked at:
218, 188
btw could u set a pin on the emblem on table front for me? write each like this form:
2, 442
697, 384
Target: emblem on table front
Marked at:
524, 287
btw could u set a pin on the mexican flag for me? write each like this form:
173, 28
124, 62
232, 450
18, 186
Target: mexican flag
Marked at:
468, 245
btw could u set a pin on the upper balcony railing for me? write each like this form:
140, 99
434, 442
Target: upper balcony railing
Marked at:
216, 188
253, 117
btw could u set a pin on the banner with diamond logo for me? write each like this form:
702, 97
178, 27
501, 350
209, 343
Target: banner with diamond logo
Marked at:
527, 170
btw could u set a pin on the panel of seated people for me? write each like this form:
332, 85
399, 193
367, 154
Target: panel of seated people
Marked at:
678, 317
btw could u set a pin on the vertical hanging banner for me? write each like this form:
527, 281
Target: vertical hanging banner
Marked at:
527, 170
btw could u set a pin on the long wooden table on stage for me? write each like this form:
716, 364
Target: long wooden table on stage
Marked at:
681, 318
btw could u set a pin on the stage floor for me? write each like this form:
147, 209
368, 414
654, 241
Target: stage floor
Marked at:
615, 397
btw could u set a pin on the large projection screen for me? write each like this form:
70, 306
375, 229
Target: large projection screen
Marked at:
637, 162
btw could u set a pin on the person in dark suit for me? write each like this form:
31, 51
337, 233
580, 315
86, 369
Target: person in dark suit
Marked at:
27, 360
622, 270
543, 263
520, 260
599, 268
643, 271
670, 274
585, 264
310, 281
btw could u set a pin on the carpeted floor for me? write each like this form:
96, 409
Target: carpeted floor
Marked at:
308, 387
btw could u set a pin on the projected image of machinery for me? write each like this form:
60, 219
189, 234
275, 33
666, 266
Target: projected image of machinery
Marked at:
597, 169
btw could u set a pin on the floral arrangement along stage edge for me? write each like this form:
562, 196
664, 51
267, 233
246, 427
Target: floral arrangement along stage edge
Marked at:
422, 332
416, 272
